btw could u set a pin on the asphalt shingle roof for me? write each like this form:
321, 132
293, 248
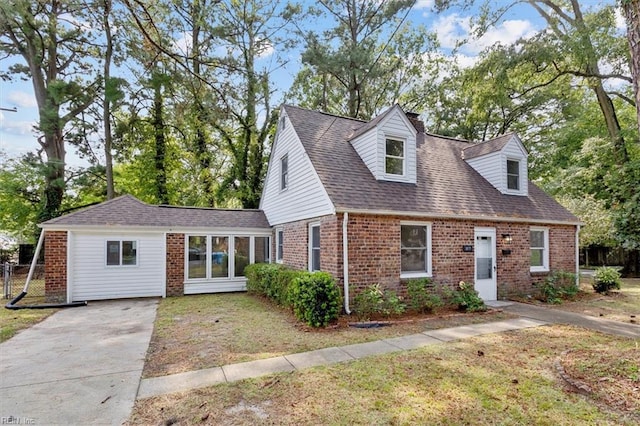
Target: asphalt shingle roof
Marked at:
480, 149
446, 184
129, 211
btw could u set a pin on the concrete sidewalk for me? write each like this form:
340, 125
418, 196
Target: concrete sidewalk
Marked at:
80, 366
288, 363
557, 316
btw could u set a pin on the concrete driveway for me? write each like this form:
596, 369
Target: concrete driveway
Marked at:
80, 366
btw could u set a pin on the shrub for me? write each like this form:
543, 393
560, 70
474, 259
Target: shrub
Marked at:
423, 296
271, 280
374, 301
467, 298
315, 298
605, 279
557, 286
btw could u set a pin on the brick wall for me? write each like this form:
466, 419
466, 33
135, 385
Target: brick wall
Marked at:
55, 267
175, 264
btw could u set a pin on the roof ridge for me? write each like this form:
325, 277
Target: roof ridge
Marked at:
327, 113
170, 206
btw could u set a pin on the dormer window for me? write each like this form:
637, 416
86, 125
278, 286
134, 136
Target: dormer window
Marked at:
513, 175
394, 157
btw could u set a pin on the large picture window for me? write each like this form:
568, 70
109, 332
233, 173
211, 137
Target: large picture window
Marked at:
122, 253
539, 241
394, 157
415, 250
224, 256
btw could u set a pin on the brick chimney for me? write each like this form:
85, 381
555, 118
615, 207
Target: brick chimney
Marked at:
415, 120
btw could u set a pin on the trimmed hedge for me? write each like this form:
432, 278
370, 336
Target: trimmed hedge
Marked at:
314, 297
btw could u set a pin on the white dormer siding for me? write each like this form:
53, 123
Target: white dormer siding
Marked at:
493, 166
303, 196
371, 146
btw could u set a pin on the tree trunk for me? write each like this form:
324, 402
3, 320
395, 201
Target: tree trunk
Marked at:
631, 10
106, 113
160, 143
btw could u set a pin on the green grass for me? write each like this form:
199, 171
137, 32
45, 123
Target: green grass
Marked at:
12, 321
513, 383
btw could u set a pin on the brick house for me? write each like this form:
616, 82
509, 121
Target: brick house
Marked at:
383, 202
369, 202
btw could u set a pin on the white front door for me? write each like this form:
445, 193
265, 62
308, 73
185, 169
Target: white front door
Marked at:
485, 264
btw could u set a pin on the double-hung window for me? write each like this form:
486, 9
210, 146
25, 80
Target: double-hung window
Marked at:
394, 157
279, 245
314, 247
122, 253
513, 175
415, 249
539, 242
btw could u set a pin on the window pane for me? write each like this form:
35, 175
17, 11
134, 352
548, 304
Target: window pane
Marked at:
241, 255
113, 252
315, 248
513, 182
484, 268
315, 259
261, 250
537, 239
513, 174
413, 236
413, 260
395, 148
219, 257
284, 172
280, 248
394, 166
536, 257
129, 251
197, 257
513, 167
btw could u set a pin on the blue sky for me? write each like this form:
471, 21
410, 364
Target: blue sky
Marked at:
17, 137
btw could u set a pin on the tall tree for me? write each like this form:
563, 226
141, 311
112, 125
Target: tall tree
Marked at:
54, 51
631, 10
367, 58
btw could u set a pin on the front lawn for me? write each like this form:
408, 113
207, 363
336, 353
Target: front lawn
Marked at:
203, 331
503, 378
12, 321
619, 305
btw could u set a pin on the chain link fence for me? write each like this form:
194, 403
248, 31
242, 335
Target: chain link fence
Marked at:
14, 277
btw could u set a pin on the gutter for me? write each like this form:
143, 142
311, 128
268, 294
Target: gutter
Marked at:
345, 261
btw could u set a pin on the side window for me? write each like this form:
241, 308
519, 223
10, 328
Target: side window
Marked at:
284, 172
279, 245
122, 253
314, 247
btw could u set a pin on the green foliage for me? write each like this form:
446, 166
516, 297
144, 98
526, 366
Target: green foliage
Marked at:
467, 298
375, 301
606, 279
557, 286
315, 298
271, 280
423, 296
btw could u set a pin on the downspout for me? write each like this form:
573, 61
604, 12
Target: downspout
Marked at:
12, 303
578, 255
345, 261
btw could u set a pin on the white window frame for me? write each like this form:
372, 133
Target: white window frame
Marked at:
311, 248
545, 250
284, 172
429, 266
403, 158
120, 241
279, 242
519, 162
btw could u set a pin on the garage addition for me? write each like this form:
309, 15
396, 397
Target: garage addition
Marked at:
125, 248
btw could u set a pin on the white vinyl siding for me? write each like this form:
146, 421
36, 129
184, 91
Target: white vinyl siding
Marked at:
90, 278
493, 167
305, 196
371, 147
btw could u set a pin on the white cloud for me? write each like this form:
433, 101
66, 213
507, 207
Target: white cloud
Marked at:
15, 127
22, 99
423, 4
453, 28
